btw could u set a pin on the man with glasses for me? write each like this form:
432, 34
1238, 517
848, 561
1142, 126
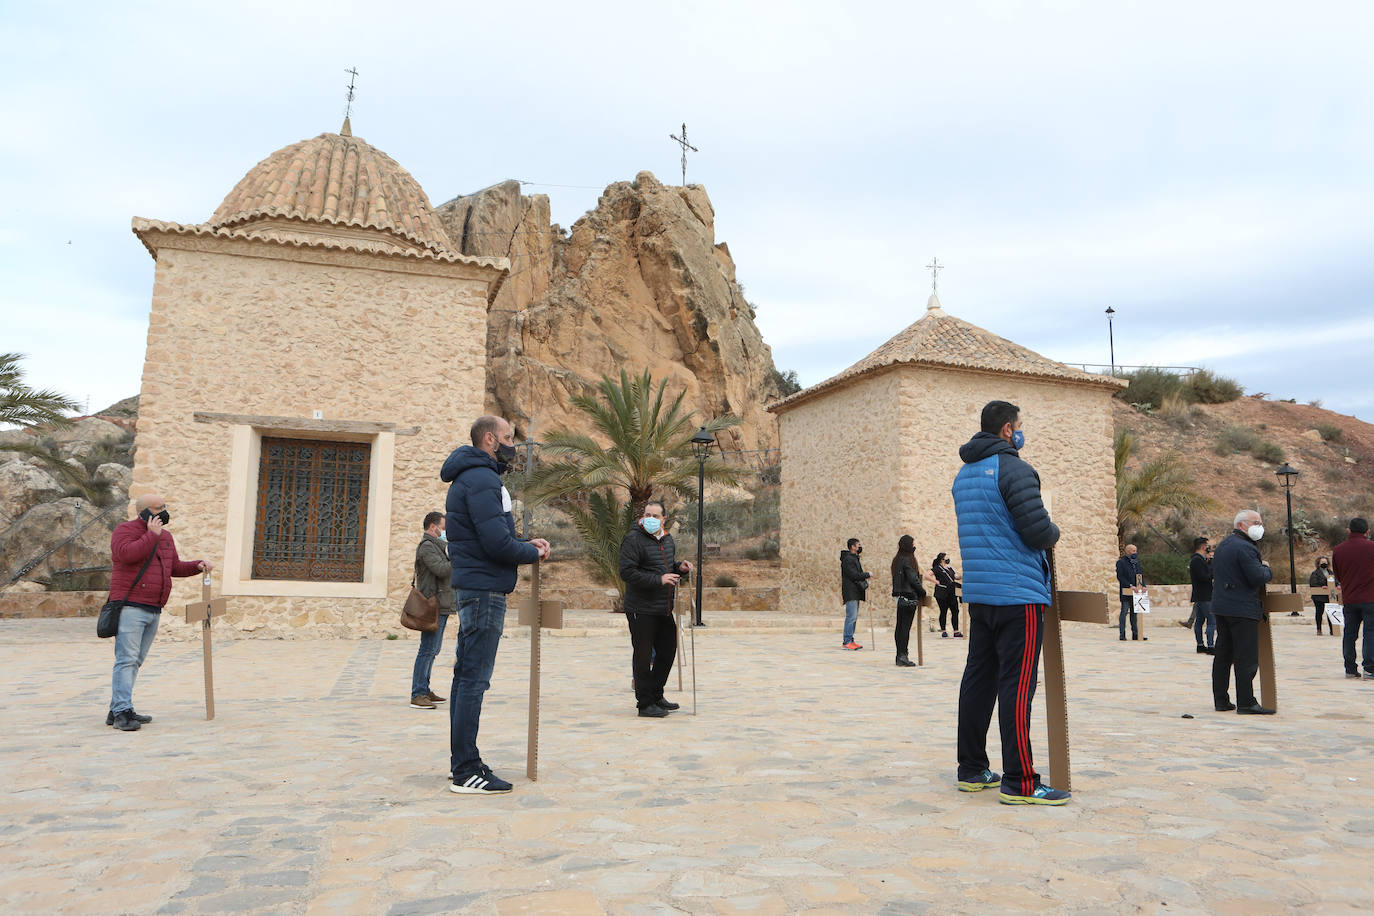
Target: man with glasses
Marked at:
143, 559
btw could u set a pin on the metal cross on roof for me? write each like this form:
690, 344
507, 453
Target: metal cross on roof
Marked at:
682, 141
348, 109
935, 267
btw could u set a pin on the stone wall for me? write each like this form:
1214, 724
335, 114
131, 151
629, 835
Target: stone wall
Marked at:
875, 459
257, 329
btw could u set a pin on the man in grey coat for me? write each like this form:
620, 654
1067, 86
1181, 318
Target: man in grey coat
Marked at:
1238, 580
432, 574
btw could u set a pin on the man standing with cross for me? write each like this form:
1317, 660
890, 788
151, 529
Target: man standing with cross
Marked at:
143, 560
485, 555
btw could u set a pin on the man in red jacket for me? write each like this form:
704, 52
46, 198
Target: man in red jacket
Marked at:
1353, 563
134, 545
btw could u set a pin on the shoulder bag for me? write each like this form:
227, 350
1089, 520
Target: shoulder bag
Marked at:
107, 624
420, 613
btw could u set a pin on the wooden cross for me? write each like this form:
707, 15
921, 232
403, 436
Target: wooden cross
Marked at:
1088, 607
682, 142
935, 267
536, 615
204, 610
1274, 603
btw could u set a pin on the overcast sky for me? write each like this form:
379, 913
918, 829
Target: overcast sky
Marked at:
1203, 168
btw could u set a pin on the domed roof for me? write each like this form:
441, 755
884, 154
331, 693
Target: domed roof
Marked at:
335, 181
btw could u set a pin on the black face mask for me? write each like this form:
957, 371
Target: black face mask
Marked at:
858, 550
147, 515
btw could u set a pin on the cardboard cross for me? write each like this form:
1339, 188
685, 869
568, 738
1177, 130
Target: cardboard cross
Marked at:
924, 603
205, 610
1274, 603
1140, 616
1088, 607
536, 615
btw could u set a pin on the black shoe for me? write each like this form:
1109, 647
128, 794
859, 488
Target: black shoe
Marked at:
1227, 708
904, 662
653, 711
1256, 710
699, 623
1352, 674
1210, 650
661, 703
142, 720
1123, 638
1201, 650
124, 721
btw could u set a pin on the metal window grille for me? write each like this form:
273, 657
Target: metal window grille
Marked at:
312, 510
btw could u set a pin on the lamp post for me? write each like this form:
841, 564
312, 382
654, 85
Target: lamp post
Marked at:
701, 447
1111, 342
1288, 473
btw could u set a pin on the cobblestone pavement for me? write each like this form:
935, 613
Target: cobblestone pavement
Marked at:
811, 780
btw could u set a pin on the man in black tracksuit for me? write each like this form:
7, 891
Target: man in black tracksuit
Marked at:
651, 572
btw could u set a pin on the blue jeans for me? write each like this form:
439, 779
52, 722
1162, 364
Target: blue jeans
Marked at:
1202, 613
481, 618
851, 617
137, 628
424, 659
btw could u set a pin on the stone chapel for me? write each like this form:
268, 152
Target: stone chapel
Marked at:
872, 452
315, 350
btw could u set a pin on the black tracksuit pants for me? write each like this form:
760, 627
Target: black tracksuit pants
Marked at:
901, 634
1237, 647
1003, 660
654, 640
949, 605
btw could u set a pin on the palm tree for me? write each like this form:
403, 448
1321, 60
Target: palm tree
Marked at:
20, 405
1163, 483
604, 489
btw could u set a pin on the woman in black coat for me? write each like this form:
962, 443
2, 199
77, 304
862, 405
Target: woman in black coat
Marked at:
945, 594
1321, 578
908, 590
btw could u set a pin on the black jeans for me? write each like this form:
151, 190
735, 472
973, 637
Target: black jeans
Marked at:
949, 604
901, 635
1003, 657
1319, 602
654, 638
1355, 615
1237, 647
1127, 608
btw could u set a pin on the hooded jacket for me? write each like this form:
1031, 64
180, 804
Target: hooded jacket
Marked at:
482, 546
130, 545
1238, 578
1004, 529
853, 579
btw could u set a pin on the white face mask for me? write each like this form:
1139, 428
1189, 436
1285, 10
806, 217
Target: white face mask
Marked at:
1256, 532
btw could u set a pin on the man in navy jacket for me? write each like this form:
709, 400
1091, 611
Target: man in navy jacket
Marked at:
1129, 574
485, 555
1238, 579
1004, 531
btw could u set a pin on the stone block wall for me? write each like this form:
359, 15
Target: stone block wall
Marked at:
256, 329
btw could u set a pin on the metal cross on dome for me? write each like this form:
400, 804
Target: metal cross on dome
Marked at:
682, 141
348, 109
935, 267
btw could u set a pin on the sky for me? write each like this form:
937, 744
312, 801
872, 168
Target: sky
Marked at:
1202, 168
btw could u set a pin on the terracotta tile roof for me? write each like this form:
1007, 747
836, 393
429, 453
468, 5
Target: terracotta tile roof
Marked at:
335, 180
938, 339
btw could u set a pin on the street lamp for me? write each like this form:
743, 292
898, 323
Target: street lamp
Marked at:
1111, 343
1288, 473
701, 447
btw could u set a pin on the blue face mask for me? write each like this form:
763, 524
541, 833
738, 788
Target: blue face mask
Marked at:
651, 525
1018, 440
443, 536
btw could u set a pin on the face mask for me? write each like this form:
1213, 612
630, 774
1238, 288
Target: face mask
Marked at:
443, 536
1256, 532
505, 452
147, 516
858, 550
651, 525
1018, 440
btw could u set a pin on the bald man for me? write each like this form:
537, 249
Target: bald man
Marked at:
144, 561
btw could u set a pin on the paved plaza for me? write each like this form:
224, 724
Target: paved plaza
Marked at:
812, 780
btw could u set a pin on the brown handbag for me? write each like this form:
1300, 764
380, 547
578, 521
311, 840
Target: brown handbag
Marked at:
420, 613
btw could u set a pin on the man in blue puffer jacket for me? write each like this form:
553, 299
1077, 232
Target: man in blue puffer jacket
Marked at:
485, 554
1004, 531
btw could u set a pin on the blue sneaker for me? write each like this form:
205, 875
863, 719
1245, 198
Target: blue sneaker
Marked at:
987, 780
1043, 795
483, 782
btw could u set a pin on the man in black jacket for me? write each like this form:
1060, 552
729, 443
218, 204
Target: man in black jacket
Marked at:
853, 585
1238, 580
651, 572
1129, 574
1200, 574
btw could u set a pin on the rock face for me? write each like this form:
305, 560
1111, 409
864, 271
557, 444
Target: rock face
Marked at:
23, 486
47, 525
639, 282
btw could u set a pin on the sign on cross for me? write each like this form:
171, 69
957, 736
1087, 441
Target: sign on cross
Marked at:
536, 615
204, 611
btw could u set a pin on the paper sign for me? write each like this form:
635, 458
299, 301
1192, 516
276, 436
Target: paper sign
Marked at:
1335, 615
1142, 602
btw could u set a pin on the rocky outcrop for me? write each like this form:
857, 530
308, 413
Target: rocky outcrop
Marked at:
85, 528
23, 486
639, 282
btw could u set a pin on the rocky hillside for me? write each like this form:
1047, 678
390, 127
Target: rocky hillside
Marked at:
640, 281
1233, 450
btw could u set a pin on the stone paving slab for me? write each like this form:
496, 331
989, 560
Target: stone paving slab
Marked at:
812, 780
